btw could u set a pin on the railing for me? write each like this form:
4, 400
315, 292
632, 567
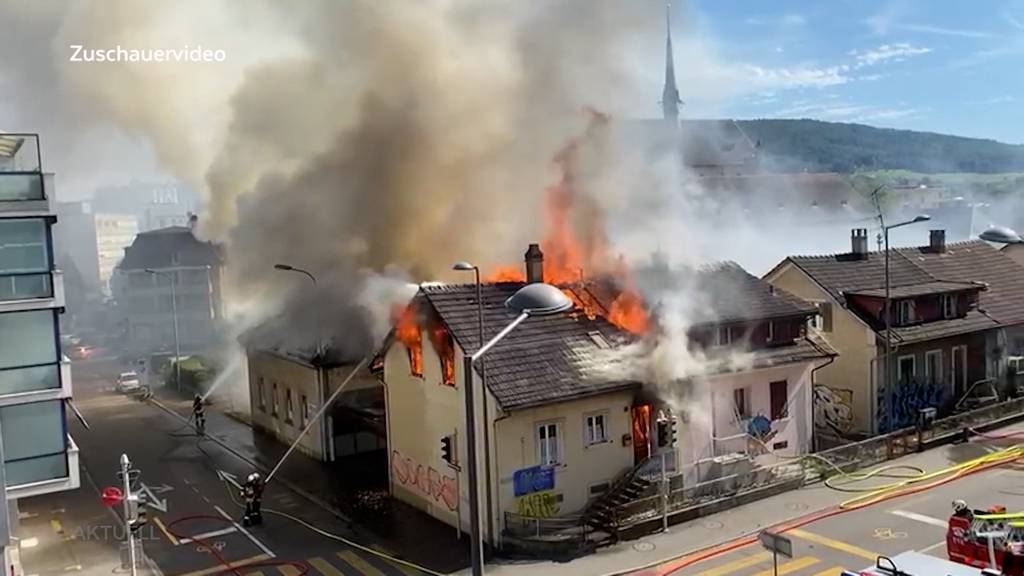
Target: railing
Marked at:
555, 529
24, 286
21, 176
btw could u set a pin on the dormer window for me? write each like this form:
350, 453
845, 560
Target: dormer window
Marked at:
948, 306
904, 312
723, 336
771, 332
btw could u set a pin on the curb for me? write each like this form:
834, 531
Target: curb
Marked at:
287, 483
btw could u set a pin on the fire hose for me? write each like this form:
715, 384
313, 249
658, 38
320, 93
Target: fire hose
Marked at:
229, 568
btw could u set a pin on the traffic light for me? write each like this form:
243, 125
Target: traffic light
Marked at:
672, 434
666, 431
137, 511
446, 450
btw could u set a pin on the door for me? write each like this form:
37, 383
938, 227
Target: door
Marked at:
641, 424
958, 368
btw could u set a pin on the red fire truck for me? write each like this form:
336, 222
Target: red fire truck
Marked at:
986, 538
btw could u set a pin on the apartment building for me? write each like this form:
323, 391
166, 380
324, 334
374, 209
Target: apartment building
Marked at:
38, 454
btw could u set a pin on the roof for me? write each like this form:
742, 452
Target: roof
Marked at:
175, 246
544, 360
937, 287
920, 270
735, 295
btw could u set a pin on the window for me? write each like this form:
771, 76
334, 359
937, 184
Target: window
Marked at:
595, 429
740, 403
905, 312
273, 400
779, 392
948, 305
24, 259
825, 316
28, 351
933, 367
723, 336
261, 399
289, 409
303, 411
905, 369
37, 451
771, 332
548, 444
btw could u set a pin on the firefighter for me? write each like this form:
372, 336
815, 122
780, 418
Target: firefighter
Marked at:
252, 491
960, 510
199, 415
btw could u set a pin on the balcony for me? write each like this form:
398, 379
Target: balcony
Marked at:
22, 183
44, 475
31, 291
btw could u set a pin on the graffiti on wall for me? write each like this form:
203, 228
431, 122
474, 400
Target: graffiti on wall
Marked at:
538, 504
425, 480
900, 408
833, 409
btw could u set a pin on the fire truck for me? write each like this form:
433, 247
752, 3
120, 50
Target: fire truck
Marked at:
978, 543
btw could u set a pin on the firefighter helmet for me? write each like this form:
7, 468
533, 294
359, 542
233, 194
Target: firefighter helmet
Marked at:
959, 505
253, 478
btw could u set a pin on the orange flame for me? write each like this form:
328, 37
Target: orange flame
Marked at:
445, 348
407, 331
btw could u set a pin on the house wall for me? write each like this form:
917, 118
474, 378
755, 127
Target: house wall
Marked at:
422, 410
845, 386
582, 468
292, 376
1015, 251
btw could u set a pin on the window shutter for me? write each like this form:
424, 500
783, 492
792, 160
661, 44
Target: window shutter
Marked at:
825, 309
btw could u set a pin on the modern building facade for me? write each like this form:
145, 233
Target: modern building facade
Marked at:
155, 205
114, 233
38, 454
168, 277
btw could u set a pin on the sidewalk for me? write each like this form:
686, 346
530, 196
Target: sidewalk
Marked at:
374, 519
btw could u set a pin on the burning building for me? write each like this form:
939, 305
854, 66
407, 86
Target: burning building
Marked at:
568, 405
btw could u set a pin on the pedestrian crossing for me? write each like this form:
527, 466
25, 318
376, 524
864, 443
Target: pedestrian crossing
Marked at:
344, 563
760, 564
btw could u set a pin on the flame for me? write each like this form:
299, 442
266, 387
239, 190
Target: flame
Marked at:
407, 331
575, 243
445, 348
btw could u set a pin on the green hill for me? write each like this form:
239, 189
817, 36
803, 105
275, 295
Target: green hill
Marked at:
815, 146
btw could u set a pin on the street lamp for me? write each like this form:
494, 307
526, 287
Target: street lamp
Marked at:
888, 310
1001, 235
537, 299
174, 312
289, 268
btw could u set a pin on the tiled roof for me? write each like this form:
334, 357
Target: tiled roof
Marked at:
169, 247
843, 273
973, 321
937, 287
735, 295
545, 359
978, 261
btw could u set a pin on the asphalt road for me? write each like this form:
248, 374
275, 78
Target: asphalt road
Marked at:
74, 533
853, 540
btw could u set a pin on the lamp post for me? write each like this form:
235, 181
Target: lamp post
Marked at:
174, 312
466, 267
537, 299
888, 309
288, 268
1001, 235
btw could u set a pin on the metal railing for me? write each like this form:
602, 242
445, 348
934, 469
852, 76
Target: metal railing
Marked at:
555, 529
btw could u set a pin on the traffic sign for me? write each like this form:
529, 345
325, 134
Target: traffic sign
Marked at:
776, 543
111, 495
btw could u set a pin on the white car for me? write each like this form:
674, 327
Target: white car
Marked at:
128, 382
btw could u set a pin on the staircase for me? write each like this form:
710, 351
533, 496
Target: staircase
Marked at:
602, 513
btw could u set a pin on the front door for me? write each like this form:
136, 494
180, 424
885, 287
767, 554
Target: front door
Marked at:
641, 424
958, 368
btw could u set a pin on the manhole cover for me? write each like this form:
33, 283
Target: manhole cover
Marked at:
643, 546
712, 524
796, 506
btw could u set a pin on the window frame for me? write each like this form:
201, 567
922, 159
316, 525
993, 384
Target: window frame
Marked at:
908, 306
784, 412
557, 443
948, 306
261, 394
899, 367
588, 427
273, 400
741, 399
771, 331
929, 377
719, 331
289, 406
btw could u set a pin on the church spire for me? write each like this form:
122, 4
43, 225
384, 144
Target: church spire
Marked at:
670, 95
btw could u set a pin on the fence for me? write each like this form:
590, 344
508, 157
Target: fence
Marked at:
561, 530
729, 479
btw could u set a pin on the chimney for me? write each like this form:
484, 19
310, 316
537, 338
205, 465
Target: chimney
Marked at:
859, 242
937, 241
534, 264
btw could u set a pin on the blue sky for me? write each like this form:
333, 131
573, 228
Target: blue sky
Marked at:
950, 66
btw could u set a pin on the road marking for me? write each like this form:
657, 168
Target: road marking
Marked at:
921, 518
160, 524
220, 568
57, 528
289, 570
791, 566
257, 573
841, 546
28, 542
207, 535
833, 571
325, 567
932, 547
246, 532
359, 564
737, 565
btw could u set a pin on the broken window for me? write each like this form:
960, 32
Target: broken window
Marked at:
445, 348
779, 392
407, 331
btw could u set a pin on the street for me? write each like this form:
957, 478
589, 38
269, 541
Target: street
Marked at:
194, 517
853, 540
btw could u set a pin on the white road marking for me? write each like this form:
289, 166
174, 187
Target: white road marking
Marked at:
213, 534
932, 547
246, 532
921, 518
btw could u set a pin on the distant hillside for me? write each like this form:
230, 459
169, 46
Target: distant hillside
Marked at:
815, 146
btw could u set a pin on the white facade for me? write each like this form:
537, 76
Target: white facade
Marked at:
39, 456
114, 233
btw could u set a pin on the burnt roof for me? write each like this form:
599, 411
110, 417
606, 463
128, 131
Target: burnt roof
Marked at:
545, 359
175, 246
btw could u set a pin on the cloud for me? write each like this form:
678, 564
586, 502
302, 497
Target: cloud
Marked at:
791, 20
1013, 21
795, 77
943, 31
887, 53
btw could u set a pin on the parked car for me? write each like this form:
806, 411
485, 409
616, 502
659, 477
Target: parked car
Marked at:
128, 382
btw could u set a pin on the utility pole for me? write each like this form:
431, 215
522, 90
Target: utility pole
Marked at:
129, 536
